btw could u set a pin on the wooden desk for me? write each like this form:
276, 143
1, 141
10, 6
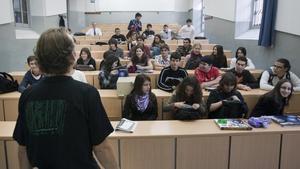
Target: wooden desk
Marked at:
110, 100
18, 75
113, 103
188, 145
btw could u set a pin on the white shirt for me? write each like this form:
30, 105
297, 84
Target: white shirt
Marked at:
187, 32
166, 35
92, 31
79, 75
249, 66
263, 83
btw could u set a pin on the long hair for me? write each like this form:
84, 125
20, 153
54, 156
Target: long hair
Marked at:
242, 49
286, 64
138, 84
180, 90
227, 79
87, 51
135, 59
220, 51
155, 43
108, 62
275, 93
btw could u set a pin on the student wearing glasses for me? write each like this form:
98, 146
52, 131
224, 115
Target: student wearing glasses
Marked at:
280, 70
278, 98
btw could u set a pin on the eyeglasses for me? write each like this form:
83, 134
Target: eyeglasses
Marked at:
240, 64
277, 67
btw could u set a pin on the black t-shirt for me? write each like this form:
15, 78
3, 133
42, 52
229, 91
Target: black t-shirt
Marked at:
59, 122
226, 110
119, 38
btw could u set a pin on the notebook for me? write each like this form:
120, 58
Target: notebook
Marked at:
126, 125
233, 124
287, 120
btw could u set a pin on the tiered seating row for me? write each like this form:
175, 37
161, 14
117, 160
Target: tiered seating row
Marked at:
92, 76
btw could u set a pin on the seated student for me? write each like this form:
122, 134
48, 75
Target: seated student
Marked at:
139, 61
207, 74
32, 76
192, 60
140, 41
166, 33
241, 51
280, 70
245, 79
85, 58
141, 103
148, 33
188, 30
186, 48
118, 36
94, 31
108, 75
172, 75
273, 102
162, 60
186, 102
113, 49
131, 39
226, 101
156, 44
218, 57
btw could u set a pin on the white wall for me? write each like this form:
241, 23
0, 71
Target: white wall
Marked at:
77, 5
6, 12
37, 7
183, 5
224, 9
139, 5
47, 7
55, 7
288, 16
243, 11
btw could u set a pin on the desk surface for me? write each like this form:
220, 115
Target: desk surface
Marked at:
172, 128
111, 93
155, 72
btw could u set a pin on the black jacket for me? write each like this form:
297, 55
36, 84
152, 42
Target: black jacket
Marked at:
131, 112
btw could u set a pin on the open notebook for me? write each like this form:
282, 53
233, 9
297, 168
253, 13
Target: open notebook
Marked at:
126, 125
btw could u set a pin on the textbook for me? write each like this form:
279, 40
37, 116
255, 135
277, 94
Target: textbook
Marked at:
287, 120
126, 125
233, 124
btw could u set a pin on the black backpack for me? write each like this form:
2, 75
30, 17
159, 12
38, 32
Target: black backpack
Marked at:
7, 83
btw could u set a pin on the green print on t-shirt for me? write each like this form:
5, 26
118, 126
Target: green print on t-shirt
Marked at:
45, 117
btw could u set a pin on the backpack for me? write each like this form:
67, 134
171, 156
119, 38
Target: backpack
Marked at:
7, 83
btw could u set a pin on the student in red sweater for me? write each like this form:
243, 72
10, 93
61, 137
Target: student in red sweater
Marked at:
207, 74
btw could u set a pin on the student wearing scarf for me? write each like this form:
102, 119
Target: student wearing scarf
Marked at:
141, 103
